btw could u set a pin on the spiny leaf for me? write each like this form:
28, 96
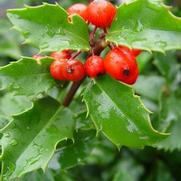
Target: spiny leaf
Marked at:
128, 163
73, 154
29, 141
149, 86
11, 104
27, 77
147, 25
170, 120
167, 65
119, 114
22, 82
9, 44
48, 28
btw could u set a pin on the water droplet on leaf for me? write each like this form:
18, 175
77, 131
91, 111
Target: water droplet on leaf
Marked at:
13, 142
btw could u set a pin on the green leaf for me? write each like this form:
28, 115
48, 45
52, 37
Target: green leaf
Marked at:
47, 27
73, 154
143, 61
150, 86
9, 44
29, 141
27, 77
128, 163
104, 152
38, 175
168, 65
11, 104
147, 25
119, 114
170, 120
79, 109
21, 83
160, 172
83, 122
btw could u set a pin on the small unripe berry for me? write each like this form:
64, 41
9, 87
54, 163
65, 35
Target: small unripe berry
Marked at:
79, 9
65, 54
121, 66
101, 13
56, 69
74, 70
94, 66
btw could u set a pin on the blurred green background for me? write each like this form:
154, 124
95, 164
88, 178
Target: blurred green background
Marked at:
105, 162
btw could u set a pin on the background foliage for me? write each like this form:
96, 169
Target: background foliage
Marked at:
159, 86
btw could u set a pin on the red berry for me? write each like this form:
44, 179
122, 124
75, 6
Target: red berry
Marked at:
101, 13
65, 54
56, 69
74, 70
94, 66
38, 57
121, 66
134, 52
79, 9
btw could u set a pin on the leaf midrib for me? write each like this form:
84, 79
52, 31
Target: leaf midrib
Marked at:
110, 98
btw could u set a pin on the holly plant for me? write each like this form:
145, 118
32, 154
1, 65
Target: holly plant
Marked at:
81, 83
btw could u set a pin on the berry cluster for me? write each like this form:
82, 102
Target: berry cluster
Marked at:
99, 12
120, 62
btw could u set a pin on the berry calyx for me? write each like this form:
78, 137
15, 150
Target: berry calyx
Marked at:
134, 52
101, 13
65, 54
74, 70
94, 66
121, 66
56, 69
79, 9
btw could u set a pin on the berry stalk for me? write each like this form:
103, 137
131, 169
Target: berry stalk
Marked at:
99, 47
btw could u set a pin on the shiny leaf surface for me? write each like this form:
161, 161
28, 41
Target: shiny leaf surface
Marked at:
21, 83
27, 77
170, 120
147, 25
150, 86
84, 142
52, 30
119, 114
11, 104
29, 141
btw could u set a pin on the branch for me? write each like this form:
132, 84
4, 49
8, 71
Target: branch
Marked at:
177, 3
99, 47
71, 93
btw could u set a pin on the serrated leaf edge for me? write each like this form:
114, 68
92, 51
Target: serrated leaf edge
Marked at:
28, 41
46, 164
99, 129
167, 8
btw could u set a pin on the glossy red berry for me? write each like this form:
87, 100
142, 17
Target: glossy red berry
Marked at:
65, 54
101, 13
56, 69
94, 66
38, 57
121, 66
134, 52
79, 9
74, 70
